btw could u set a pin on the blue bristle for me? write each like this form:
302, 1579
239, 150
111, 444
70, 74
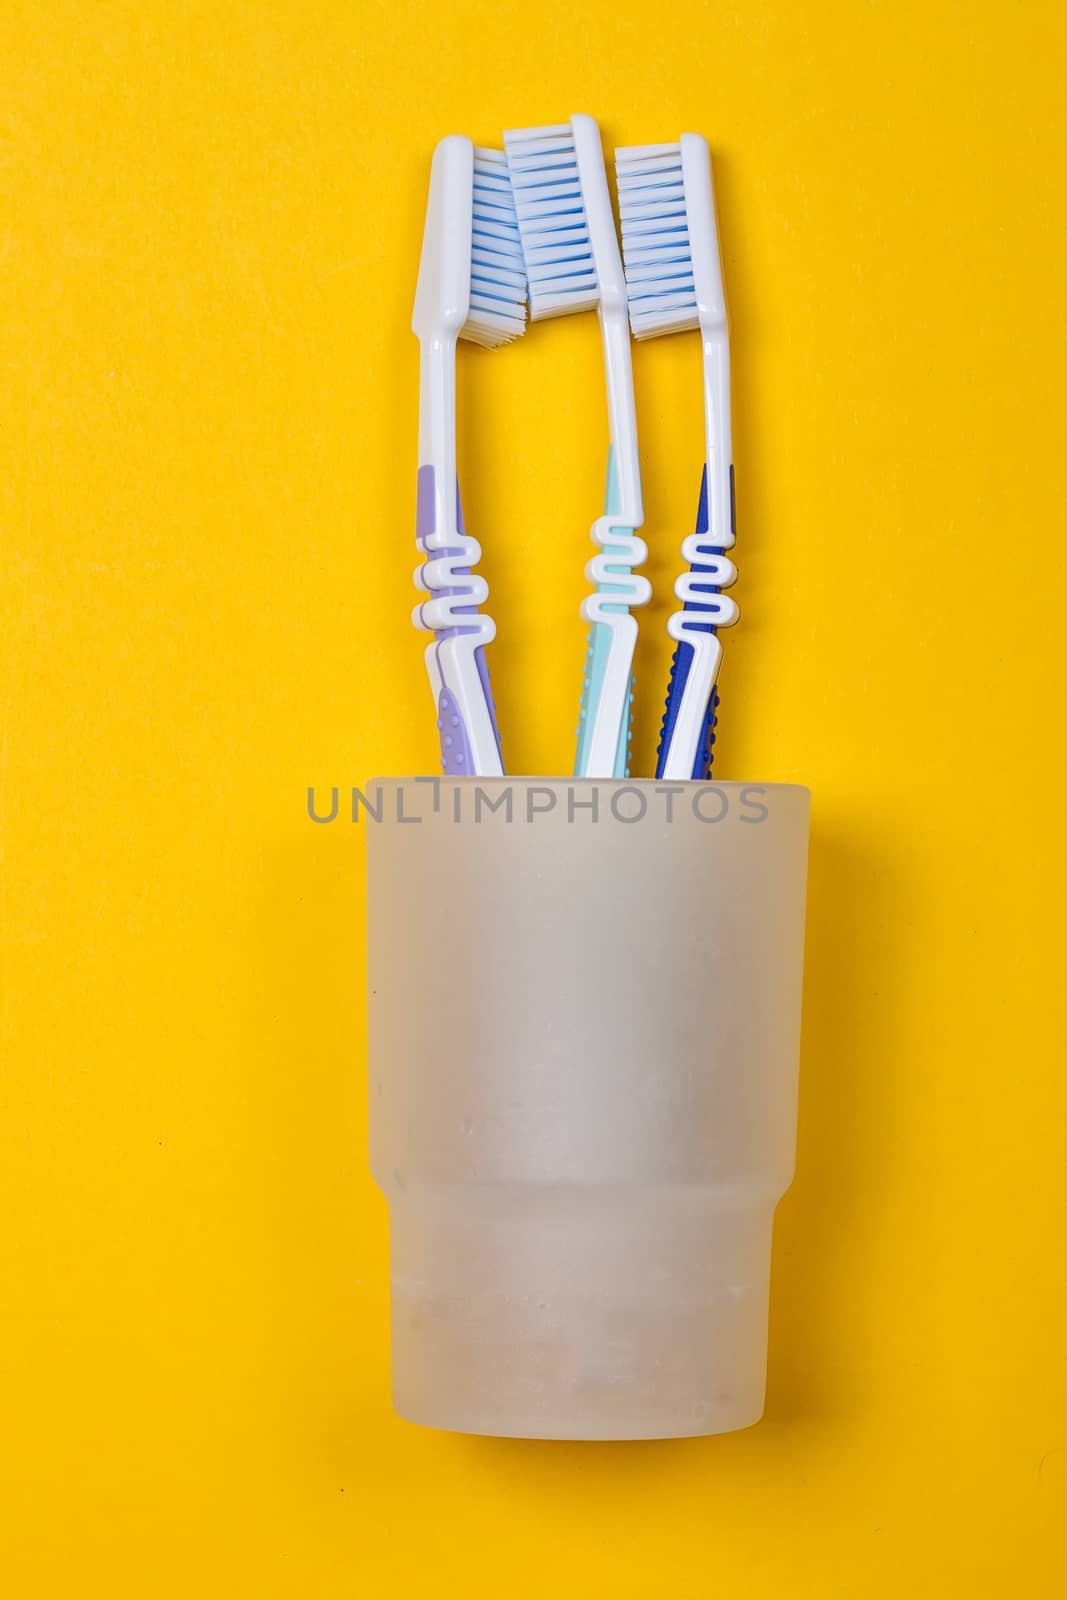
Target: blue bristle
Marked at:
552, 222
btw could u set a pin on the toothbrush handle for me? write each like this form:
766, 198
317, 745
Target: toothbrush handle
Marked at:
455, 660
687, 736
704, 752
607, 690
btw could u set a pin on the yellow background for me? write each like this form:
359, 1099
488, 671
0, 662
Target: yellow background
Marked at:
208, 241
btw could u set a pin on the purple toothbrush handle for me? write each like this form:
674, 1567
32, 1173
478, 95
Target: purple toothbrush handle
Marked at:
456, 754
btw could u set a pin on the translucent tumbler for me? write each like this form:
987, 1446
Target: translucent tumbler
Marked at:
584, 1022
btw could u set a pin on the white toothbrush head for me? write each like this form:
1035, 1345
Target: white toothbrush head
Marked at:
472, 282
564, 216
670, 243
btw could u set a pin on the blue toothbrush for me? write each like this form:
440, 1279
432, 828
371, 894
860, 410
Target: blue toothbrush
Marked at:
674, 283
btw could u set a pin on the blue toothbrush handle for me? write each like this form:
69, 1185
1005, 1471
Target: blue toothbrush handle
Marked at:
699, 766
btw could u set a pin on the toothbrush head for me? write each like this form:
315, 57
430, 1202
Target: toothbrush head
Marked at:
564, 216
497, 311
670, 244
472, 282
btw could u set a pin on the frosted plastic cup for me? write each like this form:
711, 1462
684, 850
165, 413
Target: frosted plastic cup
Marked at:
583, 1027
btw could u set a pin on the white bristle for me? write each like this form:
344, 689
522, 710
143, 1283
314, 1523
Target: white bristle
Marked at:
552, 221
656, 250
498, 277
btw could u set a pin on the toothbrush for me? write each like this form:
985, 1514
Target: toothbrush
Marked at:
674, 282
471, 285
572, 261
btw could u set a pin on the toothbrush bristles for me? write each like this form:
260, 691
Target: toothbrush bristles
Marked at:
498, 277
552, 220
656, 251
